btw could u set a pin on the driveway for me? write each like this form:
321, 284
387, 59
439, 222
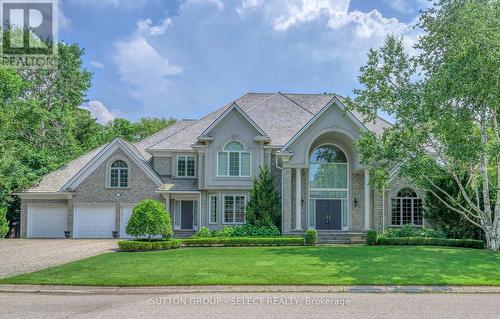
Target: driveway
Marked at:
26, 255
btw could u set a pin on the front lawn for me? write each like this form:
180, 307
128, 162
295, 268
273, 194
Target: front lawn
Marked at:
321, 265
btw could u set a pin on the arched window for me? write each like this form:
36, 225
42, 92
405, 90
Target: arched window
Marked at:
234, 160
407, 208
328, 187
118, 175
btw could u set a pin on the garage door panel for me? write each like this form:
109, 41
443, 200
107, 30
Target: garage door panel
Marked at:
47, 222
94, 222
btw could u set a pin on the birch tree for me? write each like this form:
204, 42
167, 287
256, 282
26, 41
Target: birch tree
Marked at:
445, 101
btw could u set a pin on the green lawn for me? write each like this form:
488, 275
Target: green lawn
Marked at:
321, 265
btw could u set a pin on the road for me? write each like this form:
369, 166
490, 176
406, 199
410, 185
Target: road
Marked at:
251, 305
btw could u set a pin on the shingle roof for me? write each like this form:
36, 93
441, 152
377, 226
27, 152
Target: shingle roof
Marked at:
280, 115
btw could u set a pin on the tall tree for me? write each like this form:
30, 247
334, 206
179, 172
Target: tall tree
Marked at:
264, 205
445, 102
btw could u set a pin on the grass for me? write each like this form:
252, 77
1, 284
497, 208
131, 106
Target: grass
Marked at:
320, 265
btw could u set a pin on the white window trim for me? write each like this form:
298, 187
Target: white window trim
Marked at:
400, 217
119, 176
216, 210
185, 166
239, 161
234, 209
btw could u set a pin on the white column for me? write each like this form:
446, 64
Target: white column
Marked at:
298, 198
367, 199
167, 202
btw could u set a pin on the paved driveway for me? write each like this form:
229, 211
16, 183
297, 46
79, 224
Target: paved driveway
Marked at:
26, 255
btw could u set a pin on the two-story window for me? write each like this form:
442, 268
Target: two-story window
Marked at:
186, 166
234, 160
118, 174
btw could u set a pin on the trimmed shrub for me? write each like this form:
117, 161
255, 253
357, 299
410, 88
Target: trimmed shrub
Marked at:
371, 237
203, 232
140, 245
246, 230
4, 223
244, 241
467, 243
411, 231
149, 218
311, 237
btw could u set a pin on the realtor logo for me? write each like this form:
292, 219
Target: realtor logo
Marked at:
29, 32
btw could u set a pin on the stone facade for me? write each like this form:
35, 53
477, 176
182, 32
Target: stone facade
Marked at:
357, 222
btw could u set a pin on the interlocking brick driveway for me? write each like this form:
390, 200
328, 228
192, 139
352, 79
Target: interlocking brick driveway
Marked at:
18, 256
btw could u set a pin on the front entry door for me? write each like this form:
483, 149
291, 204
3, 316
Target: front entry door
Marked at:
187, 207
328, 214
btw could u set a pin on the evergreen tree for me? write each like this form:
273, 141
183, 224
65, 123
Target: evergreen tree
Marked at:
264, 205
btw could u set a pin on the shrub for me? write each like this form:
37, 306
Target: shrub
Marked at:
247, 230
371, 237
244, 241
467, 243
311, 237
264, 204
149, 218
203, 232
4, 223
140, 245
411, 231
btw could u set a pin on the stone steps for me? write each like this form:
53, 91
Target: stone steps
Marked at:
341, 237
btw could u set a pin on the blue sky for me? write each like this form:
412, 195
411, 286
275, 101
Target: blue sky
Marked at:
184, 58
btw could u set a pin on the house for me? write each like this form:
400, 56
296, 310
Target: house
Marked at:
202, 170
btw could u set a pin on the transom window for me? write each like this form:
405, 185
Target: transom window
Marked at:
186, 166
118, 175
234, 160
234, 209
407, 208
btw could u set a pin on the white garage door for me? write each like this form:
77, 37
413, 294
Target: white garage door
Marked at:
47, 222
126, 212
94, 221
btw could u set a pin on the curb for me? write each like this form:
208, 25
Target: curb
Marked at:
91, 290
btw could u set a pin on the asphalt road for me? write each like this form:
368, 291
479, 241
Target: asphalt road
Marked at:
251, 305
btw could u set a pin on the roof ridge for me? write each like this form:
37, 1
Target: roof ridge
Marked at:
258, 104
296, 103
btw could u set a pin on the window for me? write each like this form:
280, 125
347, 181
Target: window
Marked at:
328, 179
213, 209
406, 208
118, 175
186, 166
234, 209
234, 161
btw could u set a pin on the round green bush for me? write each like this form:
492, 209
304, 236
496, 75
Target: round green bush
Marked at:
311, 237
371, 237
149, 218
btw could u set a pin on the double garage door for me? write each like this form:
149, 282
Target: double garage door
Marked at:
88, 221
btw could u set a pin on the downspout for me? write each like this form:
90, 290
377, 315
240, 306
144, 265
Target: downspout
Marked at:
383, 209
282, 217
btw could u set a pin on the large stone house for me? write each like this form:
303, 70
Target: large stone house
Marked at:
202, 170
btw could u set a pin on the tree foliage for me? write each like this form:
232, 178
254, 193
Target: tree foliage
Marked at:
264, 205
149, 218
445, 102
4, 223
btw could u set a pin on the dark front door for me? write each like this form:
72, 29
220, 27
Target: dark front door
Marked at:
187, 214
328, 214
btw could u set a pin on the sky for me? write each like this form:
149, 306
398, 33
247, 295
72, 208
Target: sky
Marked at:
185, 58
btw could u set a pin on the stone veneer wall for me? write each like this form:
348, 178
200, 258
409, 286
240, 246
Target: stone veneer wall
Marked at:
357, 216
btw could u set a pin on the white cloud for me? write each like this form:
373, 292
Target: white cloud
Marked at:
403, 6
122, 4
97, 64
143, 68
100, 112
146, 26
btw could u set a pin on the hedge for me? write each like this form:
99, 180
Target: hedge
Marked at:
371, 237
142, 245
467, 243
311, 237
244, 241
